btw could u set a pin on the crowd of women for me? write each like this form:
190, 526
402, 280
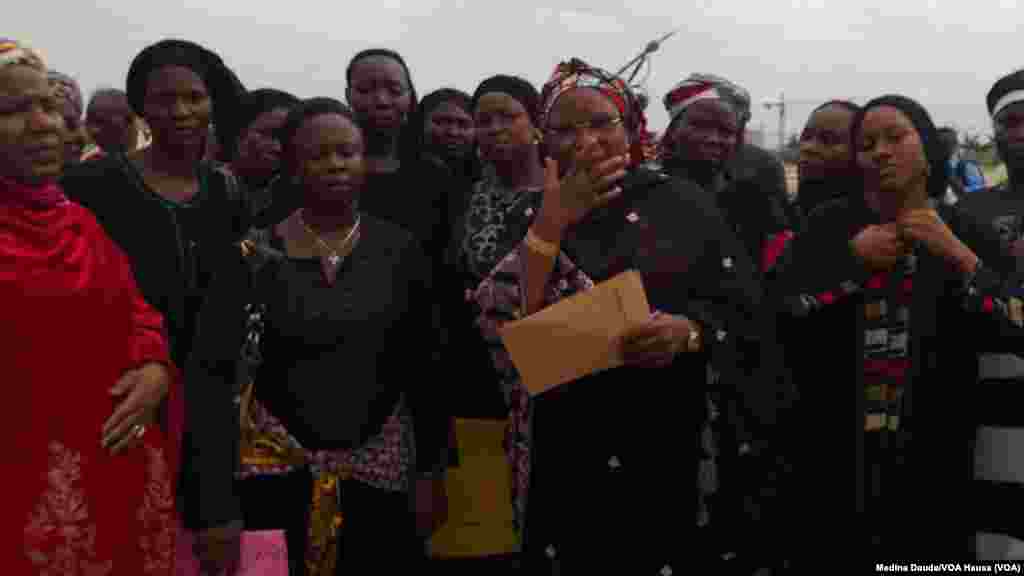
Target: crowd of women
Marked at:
261, 312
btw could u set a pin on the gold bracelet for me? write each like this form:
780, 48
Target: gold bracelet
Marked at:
541, 246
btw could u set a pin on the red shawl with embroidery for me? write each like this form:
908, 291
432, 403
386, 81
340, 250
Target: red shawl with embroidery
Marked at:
72, 321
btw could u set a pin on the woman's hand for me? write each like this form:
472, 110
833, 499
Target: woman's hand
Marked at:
219, 548
144, 390
880, 248
431, 501
585, 186
655, 343
927, 228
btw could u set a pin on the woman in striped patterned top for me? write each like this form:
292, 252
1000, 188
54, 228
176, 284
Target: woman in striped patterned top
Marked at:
896, 295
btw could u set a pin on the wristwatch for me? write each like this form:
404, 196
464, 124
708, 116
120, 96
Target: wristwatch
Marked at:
693, 339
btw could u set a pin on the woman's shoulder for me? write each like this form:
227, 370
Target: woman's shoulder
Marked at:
837, 212
86, 175
670, 196
386, 235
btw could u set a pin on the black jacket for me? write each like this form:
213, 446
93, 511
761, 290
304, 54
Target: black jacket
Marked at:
815, 283
174, 262
749, 204
397, 353
614, 453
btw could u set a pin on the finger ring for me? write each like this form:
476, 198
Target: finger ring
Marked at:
138, 430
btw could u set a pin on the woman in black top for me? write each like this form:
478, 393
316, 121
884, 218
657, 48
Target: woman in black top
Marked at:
252, 146
612, 456
177, 217
448, 135
701, 144
827, 170
494, 220
893, 295
344, 362
400, 186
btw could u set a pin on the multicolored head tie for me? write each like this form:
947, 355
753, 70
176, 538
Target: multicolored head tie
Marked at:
68, 91
699, 87
13, 53
578, 74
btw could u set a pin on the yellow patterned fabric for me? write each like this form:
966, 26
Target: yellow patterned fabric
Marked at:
270, 450
325, 522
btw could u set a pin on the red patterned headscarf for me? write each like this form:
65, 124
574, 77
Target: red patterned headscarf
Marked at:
578, 74
699, 87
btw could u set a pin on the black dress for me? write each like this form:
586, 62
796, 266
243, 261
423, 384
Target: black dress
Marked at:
336, 360
613, 455
891, 474
1000, 390
493, 222
176, 252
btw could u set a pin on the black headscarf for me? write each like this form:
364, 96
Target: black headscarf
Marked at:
814, 193
432, 101
251, 106
438, 97
223, 85
417, 122
517, 88
934, 150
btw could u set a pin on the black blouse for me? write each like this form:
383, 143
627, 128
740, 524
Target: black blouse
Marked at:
614, 453
337, 357
177, 252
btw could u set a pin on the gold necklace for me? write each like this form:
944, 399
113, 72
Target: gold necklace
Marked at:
335, 256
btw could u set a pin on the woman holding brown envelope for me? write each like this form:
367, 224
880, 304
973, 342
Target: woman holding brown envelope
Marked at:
602, 454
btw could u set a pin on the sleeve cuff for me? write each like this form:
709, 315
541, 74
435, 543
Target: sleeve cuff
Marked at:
150, 348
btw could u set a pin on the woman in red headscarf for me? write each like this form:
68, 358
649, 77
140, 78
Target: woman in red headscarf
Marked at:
605, 465
87, 379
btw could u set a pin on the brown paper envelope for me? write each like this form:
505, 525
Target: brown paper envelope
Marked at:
577, 336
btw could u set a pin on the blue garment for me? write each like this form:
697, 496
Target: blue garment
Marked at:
967, 173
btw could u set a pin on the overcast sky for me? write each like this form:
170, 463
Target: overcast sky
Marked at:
945, 54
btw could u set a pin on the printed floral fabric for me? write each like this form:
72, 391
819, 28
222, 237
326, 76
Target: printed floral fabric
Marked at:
61, 533
496, 220
383, 462
268, 448
498, 300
